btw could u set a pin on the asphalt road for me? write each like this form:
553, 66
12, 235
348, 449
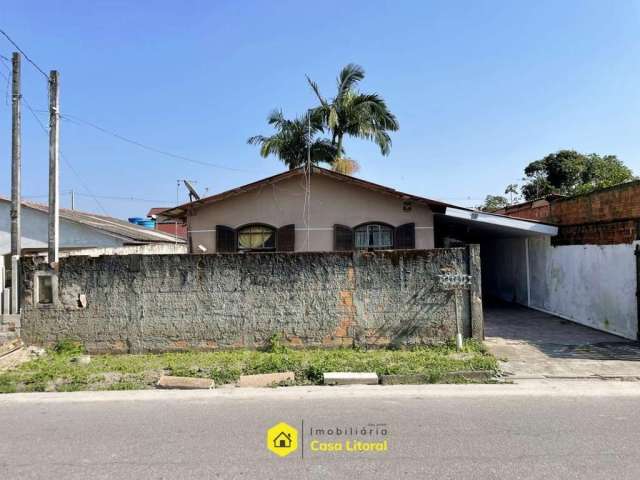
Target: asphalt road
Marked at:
589, 431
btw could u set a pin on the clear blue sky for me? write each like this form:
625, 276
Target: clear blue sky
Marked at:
480, 88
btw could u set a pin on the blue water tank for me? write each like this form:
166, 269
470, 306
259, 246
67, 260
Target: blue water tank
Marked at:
136, 220
148, 223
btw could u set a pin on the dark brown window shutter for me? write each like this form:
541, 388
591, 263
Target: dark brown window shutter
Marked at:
405, 236
225, 239
287, 238
342, 238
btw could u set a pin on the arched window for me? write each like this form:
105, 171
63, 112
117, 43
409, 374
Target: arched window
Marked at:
256, 238
373, 236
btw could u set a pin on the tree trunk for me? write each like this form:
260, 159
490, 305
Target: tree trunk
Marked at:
339, 150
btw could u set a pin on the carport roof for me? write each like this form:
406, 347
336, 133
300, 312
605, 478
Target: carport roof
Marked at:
494, 224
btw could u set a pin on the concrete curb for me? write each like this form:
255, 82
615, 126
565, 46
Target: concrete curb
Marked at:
417, 379
185, 383
533, 388
350, 378
265, 379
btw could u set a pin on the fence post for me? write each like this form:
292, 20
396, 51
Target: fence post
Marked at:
475, 293
2, 283
15, 284
637, 252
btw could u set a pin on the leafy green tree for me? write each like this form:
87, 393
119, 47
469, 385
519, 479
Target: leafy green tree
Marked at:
568, 172
603, 172
493, 202
356, 114
295, 139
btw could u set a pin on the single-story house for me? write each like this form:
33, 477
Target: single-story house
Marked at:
83, 233
336, 213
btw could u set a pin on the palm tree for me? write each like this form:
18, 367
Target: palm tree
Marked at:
511, 190
353, 113
295, 140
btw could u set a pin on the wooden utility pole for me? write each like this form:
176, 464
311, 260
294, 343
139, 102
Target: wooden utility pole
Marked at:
16, 122
54, 154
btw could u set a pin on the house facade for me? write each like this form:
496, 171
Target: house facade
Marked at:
339, 213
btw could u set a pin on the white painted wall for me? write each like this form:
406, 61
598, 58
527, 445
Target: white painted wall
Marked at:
590, 284
594, 285
35, 231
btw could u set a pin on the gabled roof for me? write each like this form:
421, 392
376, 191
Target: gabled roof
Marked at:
181, 210
155, 211
122, 229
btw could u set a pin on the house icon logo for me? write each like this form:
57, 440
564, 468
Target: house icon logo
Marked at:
282, 439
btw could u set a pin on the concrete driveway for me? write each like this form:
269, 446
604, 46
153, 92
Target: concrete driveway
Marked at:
532, 344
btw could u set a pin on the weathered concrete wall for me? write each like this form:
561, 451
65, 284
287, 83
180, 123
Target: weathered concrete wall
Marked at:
176, 302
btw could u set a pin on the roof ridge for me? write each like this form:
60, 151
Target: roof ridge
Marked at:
180, 210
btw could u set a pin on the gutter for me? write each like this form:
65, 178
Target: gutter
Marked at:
492, 219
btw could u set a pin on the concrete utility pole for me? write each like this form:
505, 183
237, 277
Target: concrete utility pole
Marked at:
73, 200
16, 122
54, 153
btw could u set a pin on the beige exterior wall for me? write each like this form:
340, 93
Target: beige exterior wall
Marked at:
332, 202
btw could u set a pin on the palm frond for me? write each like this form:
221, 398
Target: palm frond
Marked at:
276, 118
316, 90
349, 76
256, 140
293, 140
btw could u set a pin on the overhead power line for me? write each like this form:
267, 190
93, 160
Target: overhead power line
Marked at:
24, 54
110, 197
135, 199
79, 121
64, 158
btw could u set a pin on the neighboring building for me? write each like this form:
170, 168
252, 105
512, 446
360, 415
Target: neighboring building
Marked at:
83, 233
170, 226
532, 210
589, 272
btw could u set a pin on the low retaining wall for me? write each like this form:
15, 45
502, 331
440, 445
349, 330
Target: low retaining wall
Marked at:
140, 303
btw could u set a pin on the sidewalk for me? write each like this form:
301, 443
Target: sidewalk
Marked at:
524, 388
532, 344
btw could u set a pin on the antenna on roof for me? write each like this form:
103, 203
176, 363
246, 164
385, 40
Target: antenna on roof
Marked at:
193, 195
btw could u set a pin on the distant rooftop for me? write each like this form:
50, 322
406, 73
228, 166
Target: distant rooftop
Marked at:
113, 226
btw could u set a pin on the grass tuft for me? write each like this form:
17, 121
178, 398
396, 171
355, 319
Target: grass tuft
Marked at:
56, 372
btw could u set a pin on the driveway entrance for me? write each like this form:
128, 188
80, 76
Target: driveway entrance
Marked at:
533, 344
